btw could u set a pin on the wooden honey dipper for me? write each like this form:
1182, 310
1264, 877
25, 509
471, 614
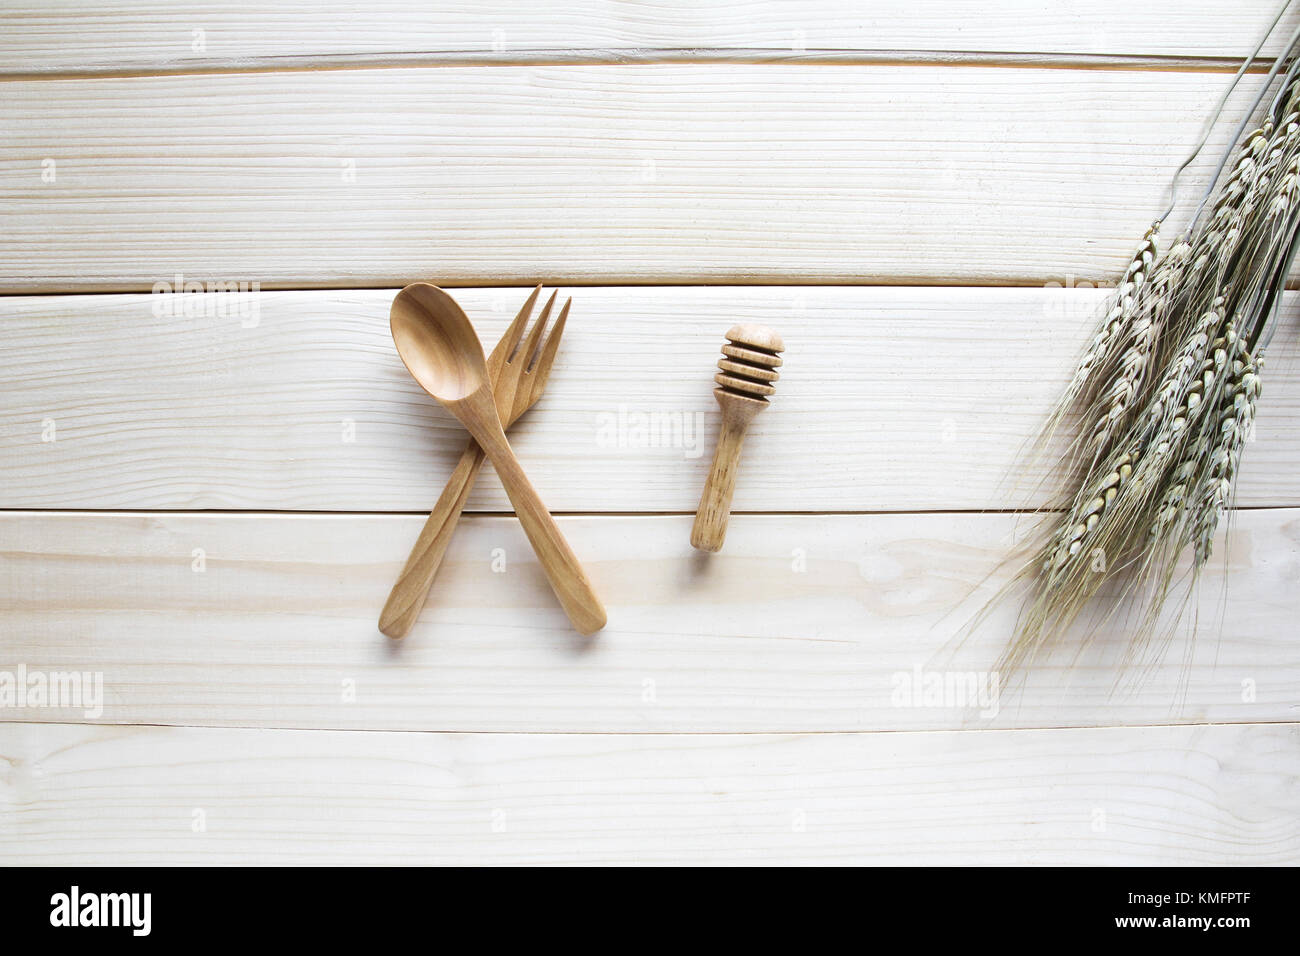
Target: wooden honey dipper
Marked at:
747, 372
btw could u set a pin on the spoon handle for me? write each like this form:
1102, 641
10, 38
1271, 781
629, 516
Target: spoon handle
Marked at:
568, 580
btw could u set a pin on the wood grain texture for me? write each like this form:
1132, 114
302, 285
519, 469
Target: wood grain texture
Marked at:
900, 399
593, 174
57, 35
1157, 796
803, 623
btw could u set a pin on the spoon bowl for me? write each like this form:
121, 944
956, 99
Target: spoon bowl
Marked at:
437, 343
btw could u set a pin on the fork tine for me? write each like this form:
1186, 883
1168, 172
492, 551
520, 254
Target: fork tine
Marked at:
542, 370
510, 340
528, 350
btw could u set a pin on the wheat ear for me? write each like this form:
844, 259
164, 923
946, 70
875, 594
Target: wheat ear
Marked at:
1236, 420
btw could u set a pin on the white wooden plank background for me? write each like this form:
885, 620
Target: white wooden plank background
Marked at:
594, 174
832, 147
803, 623
891, 399
64, 35
1163, 795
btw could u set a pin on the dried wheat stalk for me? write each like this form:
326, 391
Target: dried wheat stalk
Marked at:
1166, 393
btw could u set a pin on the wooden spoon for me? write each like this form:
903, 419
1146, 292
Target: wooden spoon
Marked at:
438, 345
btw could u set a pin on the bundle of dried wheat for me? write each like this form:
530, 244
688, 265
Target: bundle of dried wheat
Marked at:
1165, 393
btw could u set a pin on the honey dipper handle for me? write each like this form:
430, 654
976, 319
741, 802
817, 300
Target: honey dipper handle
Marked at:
710, 528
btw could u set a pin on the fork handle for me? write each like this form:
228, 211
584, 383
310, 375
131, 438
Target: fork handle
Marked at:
407, 598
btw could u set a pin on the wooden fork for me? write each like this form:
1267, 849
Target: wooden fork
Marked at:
519, 374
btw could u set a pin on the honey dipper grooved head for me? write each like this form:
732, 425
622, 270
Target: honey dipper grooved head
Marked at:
749, 363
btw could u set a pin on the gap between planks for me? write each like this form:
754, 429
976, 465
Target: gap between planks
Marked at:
361, 513
955, 283
434, 731
288, 63
153, 36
